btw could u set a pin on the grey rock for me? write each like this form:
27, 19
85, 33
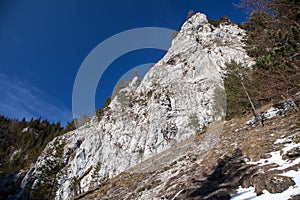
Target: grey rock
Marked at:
293, 153
174, 101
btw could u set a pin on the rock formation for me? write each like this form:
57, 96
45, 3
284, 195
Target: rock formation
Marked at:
179, 96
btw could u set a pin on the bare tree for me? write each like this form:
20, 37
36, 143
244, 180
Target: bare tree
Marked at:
190, 14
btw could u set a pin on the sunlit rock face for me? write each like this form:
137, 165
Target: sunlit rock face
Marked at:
179, 95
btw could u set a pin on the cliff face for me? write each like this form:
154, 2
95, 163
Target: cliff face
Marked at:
179, 95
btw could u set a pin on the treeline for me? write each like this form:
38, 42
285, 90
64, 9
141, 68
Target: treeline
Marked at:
21, 142
273, 41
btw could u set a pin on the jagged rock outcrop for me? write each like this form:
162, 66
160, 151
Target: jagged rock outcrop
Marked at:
179, 95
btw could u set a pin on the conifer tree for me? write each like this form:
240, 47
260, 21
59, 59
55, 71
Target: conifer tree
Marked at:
273, 40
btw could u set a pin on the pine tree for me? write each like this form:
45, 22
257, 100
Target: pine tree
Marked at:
273, 33
239, 91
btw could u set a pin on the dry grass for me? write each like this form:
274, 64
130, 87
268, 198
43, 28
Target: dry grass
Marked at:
124, 181
255, 142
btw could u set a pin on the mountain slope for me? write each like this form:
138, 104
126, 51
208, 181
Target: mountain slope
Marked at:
248, 162
179, 96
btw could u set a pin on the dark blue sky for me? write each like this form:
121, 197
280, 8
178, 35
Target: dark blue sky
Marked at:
44, 42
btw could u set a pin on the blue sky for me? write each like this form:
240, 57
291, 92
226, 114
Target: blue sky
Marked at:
44, 42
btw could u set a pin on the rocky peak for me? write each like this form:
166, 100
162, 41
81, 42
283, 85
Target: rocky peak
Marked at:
177, 98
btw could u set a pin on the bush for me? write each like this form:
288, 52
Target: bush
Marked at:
100, 111
222, 20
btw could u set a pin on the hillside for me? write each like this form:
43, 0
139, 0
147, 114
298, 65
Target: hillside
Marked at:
246, 161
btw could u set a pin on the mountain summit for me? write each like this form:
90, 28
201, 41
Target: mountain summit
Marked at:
177, 98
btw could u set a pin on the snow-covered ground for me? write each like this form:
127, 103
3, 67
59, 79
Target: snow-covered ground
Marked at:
249, 193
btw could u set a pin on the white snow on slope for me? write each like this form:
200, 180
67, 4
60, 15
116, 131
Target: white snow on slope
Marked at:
249, 193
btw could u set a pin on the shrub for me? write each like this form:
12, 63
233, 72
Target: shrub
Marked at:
222, 20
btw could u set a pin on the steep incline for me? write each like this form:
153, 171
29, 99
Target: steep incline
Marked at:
248, 162
178, 97
182, 149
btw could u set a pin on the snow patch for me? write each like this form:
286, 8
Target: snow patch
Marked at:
276, 158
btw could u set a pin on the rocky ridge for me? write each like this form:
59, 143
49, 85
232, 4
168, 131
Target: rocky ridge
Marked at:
179, 96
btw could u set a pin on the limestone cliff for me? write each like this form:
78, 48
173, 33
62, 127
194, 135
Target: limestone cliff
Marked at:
179, 96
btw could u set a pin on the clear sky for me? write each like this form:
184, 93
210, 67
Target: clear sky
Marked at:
44, 42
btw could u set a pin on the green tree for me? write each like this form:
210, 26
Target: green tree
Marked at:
100, 111
70, 126
273, 33
48, 184
238, 87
